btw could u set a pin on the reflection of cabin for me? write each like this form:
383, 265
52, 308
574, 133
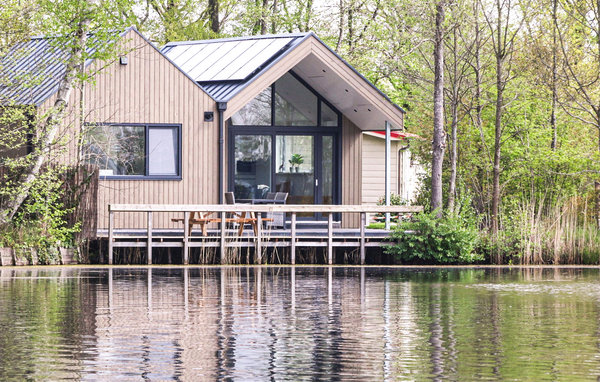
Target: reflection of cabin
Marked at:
184, 124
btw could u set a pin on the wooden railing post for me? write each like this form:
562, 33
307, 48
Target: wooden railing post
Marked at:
186, 237
293, 240
363, 222
149, 243
259, 237
111, 222
223, 231
330, 238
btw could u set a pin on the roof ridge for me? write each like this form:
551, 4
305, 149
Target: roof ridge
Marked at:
240, 38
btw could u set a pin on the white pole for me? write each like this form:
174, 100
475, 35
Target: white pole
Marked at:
388, 145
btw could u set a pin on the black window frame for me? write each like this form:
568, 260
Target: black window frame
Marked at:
273, 130
147, 127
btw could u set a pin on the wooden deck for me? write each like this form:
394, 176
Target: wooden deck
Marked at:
322, 234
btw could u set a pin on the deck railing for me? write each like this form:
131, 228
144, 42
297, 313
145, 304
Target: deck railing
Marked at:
223, 210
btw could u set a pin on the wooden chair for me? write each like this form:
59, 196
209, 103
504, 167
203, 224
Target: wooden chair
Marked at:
201, 218
241, 218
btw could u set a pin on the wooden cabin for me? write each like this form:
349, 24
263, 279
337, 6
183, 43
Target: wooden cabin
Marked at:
251, 115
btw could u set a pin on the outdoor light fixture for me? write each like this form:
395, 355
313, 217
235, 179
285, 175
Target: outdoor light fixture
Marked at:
209, 116
123, 60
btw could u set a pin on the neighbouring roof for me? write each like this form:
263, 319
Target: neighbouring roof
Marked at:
31, 71
394, 135
223, 66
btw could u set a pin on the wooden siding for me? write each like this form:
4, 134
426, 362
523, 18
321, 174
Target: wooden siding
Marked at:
149, 89
373, 169
351, 170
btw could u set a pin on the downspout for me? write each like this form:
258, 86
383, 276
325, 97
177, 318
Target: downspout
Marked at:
388, 145
221, 107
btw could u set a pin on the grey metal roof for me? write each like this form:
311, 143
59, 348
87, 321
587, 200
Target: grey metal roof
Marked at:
223, 66
31, 71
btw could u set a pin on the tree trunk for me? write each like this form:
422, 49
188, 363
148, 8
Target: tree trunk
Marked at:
453, 156
439, 139
213, 12
46, 133
554, 77
498, 126
454, 127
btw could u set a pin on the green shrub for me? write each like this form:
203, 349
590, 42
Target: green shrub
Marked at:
427, 239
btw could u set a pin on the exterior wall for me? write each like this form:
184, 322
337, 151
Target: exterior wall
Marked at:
352, 143
373, 169
151, 90
405, 174
410, 176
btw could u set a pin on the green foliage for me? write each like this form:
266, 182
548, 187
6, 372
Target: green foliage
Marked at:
428, 240
41, 223
296, 159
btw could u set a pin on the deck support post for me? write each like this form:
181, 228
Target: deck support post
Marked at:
111, 222
149, 243
186, 238
259, 237
223, 214
363, 222
293, 240
330, 238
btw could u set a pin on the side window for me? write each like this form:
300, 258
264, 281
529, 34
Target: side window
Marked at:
134, 151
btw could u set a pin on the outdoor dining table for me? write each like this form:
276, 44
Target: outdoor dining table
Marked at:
260, 201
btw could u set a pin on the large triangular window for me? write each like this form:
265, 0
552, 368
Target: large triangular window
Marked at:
288, 102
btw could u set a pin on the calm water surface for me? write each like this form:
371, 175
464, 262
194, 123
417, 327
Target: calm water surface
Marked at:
299, 323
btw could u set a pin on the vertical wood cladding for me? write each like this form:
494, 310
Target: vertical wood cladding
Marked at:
351, 170
151, 90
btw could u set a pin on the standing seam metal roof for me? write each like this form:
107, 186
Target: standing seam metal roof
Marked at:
31, 71
222, 67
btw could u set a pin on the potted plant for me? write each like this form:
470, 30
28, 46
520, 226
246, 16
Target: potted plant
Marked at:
296, 161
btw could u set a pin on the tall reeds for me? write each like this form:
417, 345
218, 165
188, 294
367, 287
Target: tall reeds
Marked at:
564, 233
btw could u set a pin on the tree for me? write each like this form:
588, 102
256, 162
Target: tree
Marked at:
439, 134
503, 34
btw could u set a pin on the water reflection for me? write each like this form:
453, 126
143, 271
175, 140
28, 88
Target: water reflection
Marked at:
298, 323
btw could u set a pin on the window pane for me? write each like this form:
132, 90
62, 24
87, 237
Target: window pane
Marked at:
327, 170
163, 152
328, 116
295, 105
295, 169
257, 112
116, 150
252, 165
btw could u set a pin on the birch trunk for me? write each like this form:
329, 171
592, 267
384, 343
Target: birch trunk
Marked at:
49, 128
439, 139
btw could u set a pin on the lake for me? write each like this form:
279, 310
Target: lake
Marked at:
299, 323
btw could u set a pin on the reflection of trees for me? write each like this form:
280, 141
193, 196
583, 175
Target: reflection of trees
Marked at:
252, 148
256, 112
117, 148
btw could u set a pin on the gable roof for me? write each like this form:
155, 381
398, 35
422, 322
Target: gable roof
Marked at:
30, 72
226, 68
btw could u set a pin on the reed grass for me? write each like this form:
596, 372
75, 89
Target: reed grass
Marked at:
565, 233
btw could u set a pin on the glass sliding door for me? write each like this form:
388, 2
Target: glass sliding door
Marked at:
326, 176
295, 165
252, 166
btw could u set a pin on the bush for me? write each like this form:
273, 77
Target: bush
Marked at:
427, 239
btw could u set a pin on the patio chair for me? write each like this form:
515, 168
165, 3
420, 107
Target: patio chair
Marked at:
240, 218
201, 218
278, 218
